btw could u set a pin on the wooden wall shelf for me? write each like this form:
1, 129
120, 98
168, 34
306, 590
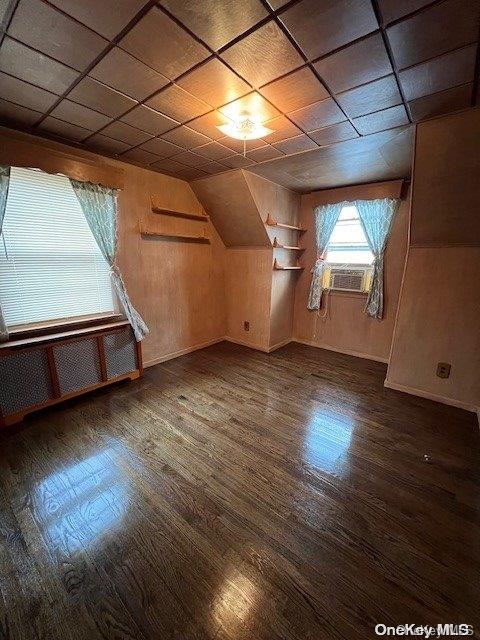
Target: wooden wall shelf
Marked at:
176, 237
179, 214
277, 245
271, 222
279, 267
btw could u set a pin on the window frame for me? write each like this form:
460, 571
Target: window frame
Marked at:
67, 323
349, 247
328, 265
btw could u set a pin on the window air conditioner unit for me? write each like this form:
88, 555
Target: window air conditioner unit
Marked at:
348, 279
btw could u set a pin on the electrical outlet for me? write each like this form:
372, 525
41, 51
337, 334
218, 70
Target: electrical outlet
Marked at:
443, 369
246, 325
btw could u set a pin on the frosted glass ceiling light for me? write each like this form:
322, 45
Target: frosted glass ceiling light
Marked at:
245, 127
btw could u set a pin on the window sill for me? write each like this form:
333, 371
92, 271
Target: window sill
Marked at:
54, 336
70, 324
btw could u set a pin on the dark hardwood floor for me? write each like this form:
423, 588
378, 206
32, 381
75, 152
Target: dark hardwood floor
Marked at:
232, 494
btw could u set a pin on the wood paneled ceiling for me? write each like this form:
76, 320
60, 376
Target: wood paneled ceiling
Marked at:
339, 81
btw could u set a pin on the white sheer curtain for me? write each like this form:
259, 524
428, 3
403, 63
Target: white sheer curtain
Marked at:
376, 217
326, 217
4, 183
99, 204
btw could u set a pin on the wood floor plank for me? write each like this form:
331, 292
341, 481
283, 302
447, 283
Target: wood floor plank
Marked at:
232, 494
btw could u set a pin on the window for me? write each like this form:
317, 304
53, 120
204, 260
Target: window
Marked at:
50, 264
348, 244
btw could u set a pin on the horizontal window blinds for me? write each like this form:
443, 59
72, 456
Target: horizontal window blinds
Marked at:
50, 265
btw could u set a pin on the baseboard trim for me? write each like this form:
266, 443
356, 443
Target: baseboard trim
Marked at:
357, 354
257, 347
430, 396
182, 352
244, 343
279, 345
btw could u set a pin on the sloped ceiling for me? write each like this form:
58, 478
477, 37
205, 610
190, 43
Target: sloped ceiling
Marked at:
272, 199
228, 201
381, 156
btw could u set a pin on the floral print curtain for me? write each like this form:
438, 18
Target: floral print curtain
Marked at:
376, 217
326, 217
99, 205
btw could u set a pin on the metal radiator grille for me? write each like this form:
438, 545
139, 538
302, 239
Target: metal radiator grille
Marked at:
78, 365
120, 355
24, 380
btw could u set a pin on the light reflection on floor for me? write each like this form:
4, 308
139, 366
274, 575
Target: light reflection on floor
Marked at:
235, 600
327, 442
80, 503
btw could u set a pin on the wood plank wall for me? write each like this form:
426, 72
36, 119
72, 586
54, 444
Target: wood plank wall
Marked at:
239, 203
283, 205
177, 287
439, 311
346, 328
194, 295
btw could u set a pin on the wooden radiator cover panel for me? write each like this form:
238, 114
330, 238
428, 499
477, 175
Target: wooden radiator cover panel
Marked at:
120, 356
25, 380
77, 364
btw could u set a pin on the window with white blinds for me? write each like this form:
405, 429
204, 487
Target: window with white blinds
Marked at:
50, 265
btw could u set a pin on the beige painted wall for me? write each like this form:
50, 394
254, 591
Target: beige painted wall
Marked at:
346, 328
439, 312
177, 287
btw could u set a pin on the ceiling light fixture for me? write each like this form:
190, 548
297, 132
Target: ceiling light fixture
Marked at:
245, 127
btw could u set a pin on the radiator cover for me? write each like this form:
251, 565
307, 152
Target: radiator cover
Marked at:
34, 376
